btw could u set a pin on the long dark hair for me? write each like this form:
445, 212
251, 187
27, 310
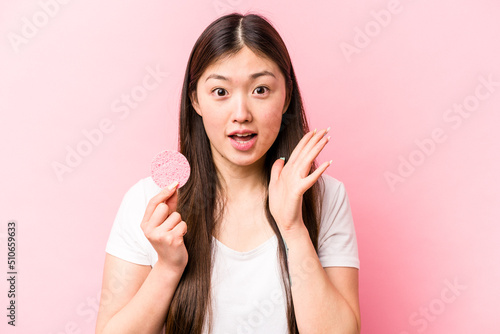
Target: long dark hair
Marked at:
201, 195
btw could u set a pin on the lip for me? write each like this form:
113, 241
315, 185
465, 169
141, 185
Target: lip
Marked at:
245, 146
241, 132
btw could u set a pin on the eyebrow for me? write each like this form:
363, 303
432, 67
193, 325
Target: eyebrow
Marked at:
252, 76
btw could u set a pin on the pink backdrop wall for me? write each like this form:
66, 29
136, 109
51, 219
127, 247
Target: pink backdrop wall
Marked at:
411, 90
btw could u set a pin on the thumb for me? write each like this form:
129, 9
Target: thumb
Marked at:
276, 169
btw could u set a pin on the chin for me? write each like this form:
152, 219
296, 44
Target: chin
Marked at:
244, 161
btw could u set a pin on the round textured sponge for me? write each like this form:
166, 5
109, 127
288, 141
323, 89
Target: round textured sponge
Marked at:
169, 166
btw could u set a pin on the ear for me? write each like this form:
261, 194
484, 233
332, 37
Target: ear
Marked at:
287, 101
194, 103
286, 107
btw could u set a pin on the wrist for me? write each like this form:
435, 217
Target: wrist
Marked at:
296, 232
168, 272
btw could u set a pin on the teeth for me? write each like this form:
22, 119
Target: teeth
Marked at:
242, 140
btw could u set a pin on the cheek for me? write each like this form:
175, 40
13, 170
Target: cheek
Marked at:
275, 107
273, 116
213, 123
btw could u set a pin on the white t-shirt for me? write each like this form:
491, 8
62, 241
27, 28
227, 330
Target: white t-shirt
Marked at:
247, 292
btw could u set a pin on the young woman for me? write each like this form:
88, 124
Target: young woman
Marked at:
259, 240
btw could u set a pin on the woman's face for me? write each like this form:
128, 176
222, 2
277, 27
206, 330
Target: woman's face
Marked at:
241, 100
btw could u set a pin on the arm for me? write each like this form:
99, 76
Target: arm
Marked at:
325, 300
136, 298
126, 297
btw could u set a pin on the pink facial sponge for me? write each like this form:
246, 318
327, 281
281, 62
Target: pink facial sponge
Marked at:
169, 166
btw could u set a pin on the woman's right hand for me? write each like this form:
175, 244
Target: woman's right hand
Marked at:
165, 230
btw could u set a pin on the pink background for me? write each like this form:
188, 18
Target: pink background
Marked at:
435, 226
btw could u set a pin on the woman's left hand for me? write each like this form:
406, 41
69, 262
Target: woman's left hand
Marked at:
291, 180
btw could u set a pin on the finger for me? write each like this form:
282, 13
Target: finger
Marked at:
314, 152
276, 169
180, 229
157, 218
314, 176
320, 135
302, 143
170, 222
162, 196
177, 230
160, 216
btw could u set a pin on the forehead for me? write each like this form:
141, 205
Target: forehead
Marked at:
244, 63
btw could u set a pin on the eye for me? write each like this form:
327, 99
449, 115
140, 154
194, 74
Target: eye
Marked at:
219, 92
261, 90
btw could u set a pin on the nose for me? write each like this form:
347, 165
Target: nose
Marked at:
241, 109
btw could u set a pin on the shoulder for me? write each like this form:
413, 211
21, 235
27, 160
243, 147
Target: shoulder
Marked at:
335, 209
126, 239
135, 200
337, 244
142, 191
331, 189
330, 182
333, 198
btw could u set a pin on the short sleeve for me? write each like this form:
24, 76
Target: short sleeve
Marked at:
337, 244
127, 240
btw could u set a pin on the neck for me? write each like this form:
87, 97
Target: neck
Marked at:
241, 183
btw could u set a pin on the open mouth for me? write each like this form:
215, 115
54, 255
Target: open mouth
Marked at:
243, 142
243, 138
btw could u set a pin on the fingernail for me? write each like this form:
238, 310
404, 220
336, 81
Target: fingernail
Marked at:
314, 132
327, 130
173, 185
328, 138
282, 158
330, 162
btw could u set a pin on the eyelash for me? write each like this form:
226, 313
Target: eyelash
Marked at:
215, 89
